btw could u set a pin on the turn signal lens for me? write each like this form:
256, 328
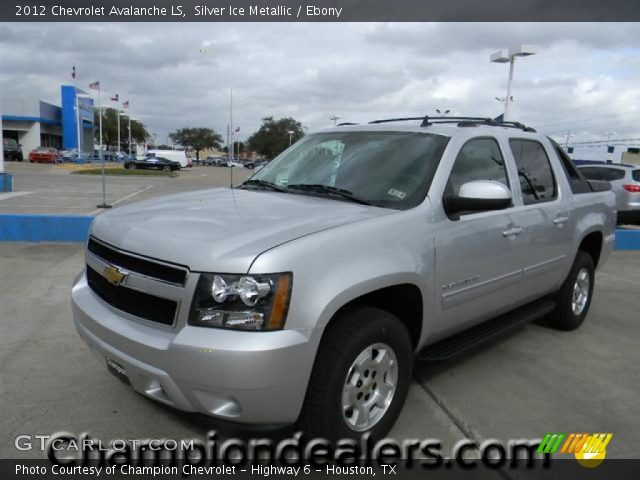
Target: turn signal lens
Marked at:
632, 188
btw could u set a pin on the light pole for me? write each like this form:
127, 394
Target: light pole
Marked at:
504, 56
335, 119
609, 135
123, 114
290, 132
443, 113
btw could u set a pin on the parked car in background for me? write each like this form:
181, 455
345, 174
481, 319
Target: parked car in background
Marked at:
179, 156
233, 163
152, 163
253, 164
12, 150
214, 161
69, 155
625, 183
45, 155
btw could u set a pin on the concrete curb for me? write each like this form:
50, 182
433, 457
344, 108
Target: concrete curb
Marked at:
44, 228
75, 228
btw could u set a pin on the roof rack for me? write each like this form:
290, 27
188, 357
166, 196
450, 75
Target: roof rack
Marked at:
345, 124
460, 121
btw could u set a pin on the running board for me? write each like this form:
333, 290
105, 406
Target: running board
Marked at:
467, 339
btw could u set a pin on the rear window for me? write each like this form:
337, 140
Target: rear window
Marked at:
636, 175
537, 181
603, 173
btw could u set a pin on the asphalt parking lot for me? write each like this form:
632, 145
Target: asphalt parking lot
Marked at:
53, 189
531, 382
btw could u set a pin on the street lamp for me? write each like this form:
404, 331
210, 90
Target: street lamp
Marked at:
443, 113
290, 132
123, 114
609, 135
504, 56
335, 119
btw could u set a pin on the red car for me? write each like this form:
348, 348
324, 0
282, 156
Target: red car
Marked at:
44, 155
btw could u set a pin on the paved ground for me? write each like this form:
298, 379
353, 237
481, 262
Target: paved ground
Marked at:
530, 383
41, 188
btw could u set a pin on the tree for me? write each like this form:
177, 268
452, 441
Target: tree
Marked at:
272, 138
196, 139
139, 133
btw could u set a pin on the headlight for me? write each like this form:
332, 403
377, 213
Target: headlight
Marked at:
245, 302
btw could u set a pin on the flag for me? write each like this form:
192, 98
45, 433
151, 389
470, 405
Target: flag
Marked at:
499, 118
114, 98
73, 72
95, 86
569, 149
126, 104
611, 149
237, 129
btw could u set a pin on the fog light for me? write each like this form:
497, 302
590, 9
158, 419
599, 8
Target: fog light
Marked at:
232, 319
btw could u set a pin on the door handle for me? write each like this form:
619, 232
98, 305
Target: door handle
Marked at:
512, 232
560, 221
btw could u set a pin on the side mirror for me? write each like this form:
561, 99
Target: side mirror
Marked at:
478, 196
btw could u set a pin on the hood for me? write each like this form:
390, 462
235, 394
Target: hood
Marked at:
222, 230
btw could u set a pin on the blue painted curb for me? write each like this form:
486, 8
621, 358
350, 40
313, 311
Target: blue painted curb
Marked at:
6, 182
75, 228
627, 240
44, 228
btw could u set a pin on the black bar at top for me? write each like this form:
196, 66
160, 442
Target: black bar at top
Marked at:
322, 10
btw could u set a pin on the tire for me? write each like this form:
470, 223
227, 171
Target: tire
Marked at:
347, 342
166, 168
131, 166
572, 305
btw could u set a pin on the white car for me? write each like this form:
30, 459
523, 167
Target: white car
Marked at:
179, 156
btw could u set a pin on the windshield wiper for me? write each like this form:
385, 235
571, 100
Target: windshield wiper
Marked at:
263, 183
319, 188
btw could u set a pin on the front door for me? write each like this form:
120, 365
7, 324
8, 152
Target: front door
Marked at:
477, 266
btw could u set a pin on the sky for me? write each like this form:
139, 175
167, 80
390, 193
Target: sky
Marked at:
585, 78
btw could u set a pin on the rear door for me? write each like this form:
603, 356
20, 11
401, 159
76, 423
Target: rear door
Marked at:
543, 212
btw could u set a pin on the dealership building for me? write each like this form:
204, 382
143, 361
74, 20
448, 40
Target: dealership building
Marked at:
34, 123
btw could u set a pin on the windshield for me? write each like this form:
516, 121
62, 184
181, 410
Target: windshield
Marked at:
387, 169
9, 142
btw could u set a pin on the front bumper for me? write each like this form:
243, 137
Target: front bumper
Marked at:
246, 377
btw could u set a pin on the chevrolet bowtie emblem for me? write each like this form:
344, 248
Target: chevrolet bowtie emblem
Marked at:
115, 275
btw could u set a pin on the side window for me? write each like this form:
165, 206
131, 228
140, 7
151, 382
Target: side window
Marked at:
636, 175
611, 174
534, 170
592, 173
479, 159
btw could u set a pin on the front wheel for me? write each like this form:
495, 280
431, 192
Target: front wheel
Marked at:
131, 166
574, 298
360, 378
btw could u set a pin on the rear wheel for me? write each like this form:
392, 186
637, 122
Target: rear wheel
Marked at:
360, 377
166, 168
131, 166
574, 297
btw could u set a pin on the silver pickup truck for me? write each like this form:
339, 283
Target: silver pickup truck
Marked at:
305, 294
